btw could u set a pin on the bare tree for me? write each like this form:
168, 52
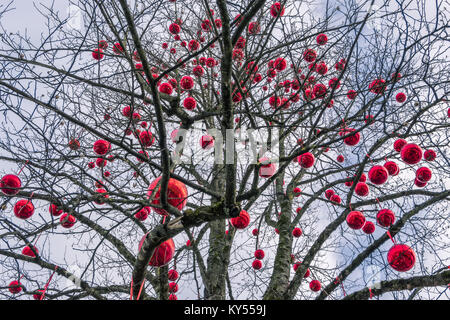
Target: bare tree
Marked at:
257, 149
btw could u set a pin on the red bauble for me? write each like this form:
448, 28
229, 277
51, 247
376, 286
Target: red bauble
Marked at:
315, 285
297, 192
369, 227
253, 27
100, 162
377, 86
297, 232
355, 220
351, 94
103, 44
392, 168
309, 55
423, 174
176, 194
26, 251
102, 194
242, 221
255, 232
38, 296
162, 254
146, 138
101, 147
362, 189
67, 220
277, 10
74, 144
363, 178
385, 218
378, 175
351, 136
166, 88
259, 254
15, 287
172, 275
257, 264
306, 160
206, 142
193, 45
411, 153
97, 54
335, 198
189, 103
117, 48
322, 39
10, 184
198, 71
173, 297
401, 257
400, 97
186, 83
174, 28
267, 168
329, 193
173, 287
23, 209
399, 144
429, 155
340, 158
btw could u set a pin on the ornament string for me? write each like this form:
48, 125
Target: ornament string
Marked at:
23, 167
370, 292
48, 282
392, 239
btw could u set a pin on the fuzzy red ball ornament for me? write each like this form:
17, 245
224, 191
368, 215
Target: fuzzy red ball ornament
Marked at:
23, 209
352, 137
335, 198
193, 45
27, 251
101, 195
38, 296
259, 254
362, 189
174, 28
351, 94
97, 54
280, 64
142, 214
377, 86
117, 48
297, 192
306, 160
297, 265
392, 168
322, 39
15, 287
423, 174
334, 83
368, 228
173, 297
186, 83
166, 88
309, 55
74, 144
400, 97
355, 220
241, 221
385, 218
101, 147
206, 142
257, 264
429, 155
100, 162
401, 257
10, 184
378, 175
363, 178
173, 287
162, 254
146, 138
172, 275
329, 193
411, 153
103, 44
320, 91
315, 285
399, 144
297, 232
267, 168
340, 158
67, 220
176, 194
189, 103
255, 232
277, 10
54, 210
254, 28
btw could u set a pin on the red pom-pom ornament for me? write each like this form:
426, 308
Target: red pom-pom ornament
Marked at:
241, 221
